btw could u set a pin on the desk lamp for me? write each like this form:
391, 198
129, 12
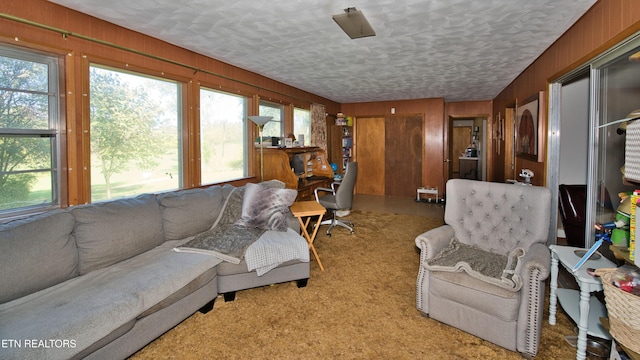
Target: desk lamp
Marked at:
261, 121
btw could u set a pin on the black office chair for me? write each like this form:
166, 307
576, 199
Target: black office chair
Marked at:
339, 199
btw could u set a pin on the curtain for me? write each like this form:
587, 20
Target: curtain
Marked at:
318, 126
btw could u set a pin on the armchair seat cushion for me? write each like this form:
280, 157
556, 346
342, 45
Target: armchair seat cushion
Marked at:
497, 269
480, 295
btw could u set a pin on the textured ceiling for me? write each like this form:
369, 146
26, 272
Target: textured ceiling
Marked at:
456, 49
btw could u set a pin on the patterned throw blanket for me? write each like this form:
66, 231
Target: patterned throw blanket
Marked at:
496, 269
225, 240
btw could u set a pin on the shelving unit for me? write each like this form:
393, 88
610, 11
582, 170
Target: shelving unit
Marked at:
341, 142
568, 298
347, 146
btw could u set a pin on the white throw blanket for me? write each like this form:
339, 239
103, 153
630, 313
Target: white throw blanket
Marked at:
274, 248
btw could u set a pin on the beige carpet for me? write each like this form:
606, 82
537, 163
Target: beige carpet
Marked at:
361, 307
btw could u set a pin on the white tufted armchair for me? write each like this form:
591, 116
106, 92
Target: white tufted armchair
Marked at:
496, 218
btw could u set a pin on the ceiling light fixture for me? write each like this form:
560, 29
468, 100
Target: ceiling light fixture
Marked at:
354, 23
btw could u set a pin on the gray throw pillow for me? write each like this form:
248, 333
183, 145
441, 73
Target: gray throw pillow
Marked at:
266, 208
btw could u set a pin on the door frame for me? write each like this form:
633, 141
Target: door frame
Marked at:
448, 132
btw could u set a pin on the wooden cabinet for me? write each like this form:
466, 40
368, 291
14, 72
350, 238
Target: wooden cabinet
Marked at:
468, 168
279, 164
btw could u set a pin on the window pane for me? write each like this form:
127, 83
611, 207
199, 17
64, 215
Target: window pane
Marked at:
29, 189
302, 125
273, 127
25, 98
27, 171
35, 152
135, 134
222, 136
24, 75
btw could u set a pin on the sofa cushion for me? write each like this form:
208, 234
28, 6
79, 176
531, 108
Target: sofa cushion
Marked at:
266, 208
89, 307
109, 232
189, 212
35, 253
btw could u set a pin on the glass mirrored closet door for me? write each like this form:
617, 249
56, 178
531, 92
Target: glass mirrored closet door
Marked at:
615, 93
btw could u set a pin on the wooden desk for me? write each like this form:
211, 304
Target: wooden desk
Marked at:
306, 187
309, 209
317, 171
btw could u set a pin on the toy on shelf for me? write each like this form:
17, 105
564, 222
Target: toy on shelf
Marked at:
603, 233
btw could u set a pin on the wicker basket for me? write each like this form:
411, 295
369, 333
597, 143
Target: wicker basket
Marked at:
624, 312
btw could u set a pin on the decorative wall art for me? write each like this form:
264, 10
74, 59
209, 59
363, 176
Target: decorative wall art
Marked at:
529, 118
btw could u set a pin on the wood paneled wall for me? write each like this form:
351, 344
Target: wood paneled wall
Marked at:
78, 48
607, 23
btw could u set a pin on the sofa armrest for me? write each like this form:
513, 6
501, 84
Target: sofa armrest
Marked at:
293, 223
430, 244
537, 258
534, 272
434, 240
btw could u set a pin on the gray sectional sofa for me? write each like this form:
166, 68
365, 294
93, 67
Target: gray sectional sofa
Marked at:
101, 281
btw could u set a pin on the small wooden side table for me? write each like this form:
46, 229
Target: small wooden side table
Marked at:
309, 209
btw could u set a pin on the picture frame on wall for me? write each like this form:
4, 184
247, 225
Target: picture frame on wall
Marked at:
529, 132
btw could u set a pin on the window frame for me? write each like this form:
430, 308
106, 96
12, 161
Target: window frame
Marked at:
307, 132
273, 105
182, 125
247, 145
55, 130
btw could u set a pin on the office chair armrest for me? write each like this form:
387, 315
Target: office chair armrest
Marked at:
334, 184
315, 192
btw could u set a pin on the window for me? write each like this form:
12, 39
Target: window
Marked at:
29, 131
302, 125
273, 127
223, 134
135, 124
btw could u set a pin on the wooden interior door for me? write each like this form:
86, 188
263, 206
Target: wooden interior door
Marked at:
370, 153
403, 155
